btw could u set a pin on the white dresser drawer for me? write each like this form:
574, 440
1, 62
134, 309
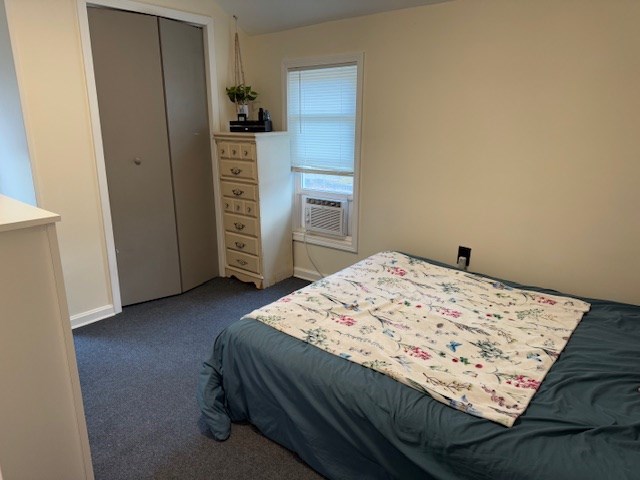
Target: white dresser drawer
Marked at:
240, 224
241, 243
247, 151
244, 261
223, 150
239, 190
238, 206
227, 204
250, 208
238, 169
234, 150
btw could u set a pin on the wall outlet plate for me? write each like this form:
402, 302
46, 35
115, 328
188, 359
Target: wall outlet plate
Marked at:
464, 252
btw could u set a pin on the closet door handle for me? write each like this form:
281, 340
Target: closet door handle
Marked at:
239, 226
236, 171
240, 245
237, 192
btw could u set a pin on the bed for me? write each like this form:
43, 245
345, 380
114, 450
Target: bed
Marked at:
350, 421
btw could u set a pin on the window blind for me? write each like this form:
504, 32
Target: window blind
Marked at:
321, 118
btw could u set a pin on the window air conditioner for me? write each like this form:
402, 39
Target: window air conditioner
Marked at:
325, 216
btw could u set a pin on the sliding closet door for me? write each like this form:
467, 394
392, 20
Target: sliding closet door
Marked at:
182, 48
128, 70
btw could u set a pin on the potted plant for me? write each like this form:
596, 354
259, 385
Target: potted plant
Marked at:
241, 95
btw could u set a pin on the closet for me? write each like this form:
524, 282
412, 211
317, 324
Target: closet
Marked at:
152, 99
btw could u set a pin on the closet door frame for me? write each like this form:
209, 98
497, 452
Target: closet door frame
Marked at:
213, 108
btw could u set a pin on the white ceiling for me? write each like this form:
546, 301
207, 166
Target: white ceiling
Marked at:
266, 16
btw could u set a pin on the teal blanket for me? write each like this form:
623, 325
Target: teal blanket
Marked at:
348, 421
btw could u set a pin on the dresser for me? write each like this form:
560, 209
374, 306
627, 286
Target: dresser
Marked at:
256, 190
43, 432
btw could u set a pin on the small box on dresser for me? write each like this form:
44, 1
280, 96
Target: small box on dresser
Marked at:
256, 195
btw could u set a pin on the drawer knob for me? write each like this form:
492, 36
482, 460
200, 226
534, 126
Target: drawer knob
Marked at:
236, 171
240, 245
237, 192
246, 153
227, 205
233, 152
238, 225
248, 209
241, 262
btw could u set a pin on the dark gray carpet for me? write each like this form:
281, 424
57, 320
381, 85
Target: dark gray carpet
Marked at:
139, 372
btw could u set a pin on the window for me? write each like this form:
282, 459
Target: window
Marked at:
323, 120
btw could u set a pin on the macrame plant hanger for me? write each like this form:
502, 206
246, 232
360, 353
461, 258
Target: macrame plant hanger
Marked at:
238, 72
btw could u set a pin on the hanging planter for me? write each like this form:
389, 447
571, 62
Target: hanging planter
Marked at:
240, 93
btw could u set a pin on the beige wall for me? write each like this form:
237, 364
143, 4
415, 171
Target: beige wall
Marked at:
46, 41
505, 126
509, 127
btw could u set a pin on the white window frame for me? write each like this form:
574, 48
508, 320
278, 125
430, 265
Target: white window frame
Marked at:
349, 243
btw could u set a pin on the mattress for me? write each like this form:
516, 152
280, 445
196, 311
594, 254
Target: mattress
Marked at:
349, 421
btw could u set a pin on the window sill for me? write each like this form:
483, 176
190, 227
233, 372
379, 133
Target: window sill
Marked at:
345, 244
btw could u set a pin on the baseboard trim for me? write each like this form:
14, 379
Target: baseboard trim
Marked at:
305, 274
85, 318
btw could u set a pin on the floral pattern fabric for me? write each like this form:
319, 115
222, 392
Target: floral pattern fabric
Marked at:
468, 341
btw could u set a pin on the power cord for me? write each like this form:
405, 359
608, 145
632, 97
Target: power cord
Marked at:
306, 246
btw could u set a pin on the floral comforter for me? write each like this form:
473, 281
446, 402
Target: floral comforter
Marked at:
470, 342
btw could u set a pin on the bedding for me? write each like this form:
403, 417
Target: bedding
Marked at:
350, 421
472, 343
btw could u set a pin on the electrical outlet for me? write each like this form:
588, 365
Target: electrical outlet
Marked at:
464, 252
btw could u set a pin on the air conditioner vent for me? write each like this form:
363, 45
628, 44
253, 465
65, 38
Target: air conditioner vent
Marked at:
325, 216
